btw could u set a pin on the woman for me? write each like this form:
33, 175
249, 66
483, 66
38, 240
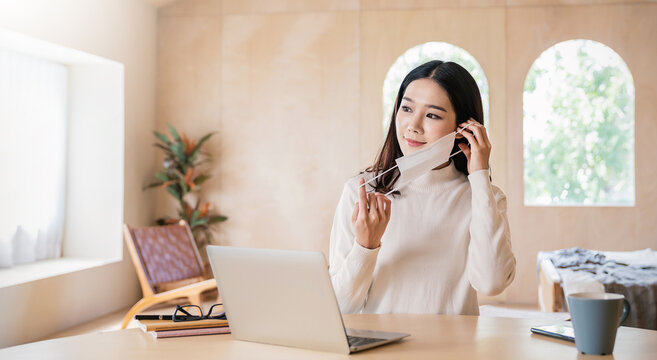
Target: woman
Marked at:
443, 236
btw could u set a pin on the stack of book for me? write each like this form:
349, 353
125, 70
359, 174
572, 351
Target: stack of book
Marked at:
169, 328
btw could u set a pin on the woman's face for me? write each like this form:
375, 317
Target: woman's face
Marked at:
424, 116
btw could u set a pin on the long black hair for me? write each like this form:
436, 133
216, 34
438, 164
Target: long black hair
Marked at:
464, 95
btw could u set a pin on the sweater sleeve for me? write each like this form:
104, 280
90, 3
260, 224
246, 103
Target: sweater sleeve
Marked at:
351, 265
491, 264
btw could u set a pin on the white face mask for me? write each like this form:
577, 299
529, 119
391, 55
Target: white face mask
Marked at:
414, 165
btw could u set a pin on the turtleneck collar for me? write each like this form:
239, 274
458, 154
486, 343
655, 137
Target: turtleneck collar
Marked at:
438, 180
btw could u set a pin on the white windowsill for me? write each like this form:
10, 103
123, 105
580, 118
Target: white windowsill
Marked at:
43, 269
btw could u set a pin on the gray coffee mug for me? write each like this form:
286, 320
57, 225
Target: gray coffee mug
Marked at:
596, 317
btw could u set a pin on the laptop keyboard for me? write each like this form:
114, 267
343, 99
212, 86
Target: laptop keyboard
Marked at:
360, 341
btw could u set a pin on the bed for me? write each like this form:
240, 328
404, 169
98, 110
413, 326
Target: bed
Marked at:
631, 273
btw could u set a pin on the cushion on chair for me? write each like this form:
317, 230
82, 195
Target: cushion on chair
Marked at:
167, 254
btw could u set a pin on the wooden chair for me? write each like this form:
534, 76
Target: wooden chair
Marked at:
168, 265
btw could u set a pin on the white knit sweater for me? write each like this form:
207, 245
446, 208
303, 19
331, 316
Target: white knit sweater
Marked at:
448, 236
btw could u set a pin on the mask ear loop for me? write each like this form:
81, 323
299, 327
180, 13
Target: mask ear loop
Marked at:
378, 176
458, 132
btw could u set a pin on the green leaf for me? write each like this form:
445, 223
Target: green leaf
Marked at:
178, 173
173, 190
162, 176
183, 186
201, 179
179, 150
199, 222
180, 180
200, 142
162, 137
192, 157
165, 148
194, 217
216, 219
152, 185
173, 132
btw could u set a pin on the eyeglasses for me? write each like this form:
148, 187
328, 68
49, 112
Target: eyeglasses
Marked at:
184, 313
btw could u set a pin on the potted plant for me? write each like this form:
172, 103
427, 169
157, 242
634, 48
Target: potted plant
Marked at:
182, 178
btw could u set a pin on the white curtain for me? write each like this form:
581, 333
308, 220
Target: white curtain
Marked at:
33, 112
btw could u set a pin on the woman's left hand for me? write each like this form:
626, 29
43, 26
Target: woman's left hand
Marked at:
478, 153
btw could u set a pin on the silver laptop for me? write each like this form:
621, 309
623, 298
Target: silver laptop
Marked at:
286, 298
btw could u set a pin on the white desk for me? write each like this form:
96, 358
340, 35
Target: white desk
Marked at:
432, 337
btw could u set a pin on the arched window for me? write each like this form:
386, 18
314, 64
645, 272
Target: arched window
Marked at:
421, 54
578, 127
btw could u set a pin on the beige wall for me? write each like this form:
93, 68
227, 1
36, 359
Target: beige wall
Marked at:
287, 120
124, 31
294, 90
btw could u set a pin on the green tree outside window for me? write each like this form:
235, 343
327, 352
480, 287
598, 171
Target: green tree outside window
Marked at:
578, 127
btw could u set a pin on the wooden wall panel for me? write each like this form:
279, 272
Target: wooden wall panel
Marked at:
427, 4
289, 126
287, 6
189, 83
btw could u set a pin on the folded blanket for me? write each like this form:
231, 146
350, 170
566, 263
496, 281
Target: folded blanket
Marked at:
638, 283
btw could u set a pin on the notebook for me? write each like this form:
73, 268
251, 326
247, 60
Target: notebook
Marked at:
285, 297
157, 325
163, 334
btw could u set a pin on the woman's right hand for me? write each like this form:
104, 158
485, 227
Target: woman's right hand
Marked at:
370, 217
